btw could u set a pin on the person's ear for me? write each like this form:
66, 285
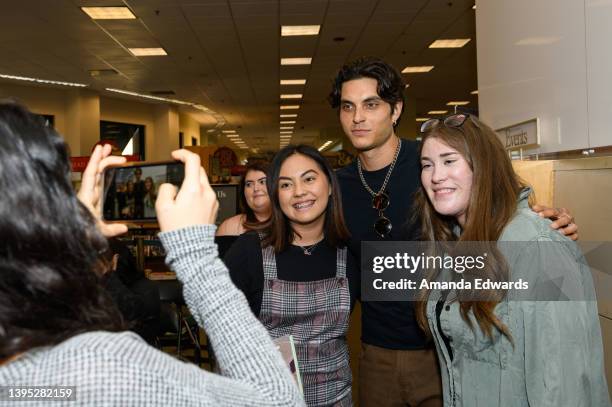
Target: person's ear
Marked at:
397, 111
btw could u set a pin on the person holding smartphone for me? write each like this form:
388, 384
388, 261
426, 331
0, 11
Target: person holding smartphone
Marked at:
57, 325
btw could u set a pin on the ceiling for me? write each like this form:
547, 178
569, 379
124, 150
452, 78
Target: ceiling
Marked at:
225, 54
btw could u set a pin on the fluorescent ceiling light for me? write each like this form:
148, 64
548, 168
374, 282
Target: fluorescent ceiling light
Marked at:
474, 92
109, 13
285, 137
537, 41
148, 52
293, 81
287, 122
197, 106
45, 81
450, 43
228, 131
291, 96
417, 69
289, 107
458, 103
210, 131
243, 148
286, 128
286, 132
230, 136
291, 30
422, 119
296, 61
288, 115
437, 112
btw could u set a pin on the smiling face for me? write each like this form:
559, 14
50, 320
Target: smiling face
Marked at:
303, 190
447, 179
255, 190
367, 120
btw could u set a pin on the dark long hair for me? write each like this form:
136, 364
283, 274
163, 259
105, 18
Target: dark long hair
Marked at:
50, 265
390, 85
251, 219
492, 204
277, 230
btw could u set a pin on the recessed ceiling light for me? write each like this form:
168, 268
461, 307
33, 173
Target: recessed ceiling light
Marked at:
474, 7
291, 96
109, 13
45, 81
293, 81
289, 107
422, 119
148, 52
437, 112
287, 122
417, 69
296, 61
291, 30
458, 103
288, 115
450, 43
474, 92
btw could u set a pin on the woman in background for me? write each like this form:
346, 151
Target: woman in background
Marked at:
149, 198
495, 349
254, 206
297, 273
57, 324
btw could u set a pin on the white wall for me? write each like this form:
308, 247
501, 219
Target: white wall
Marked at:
548, 59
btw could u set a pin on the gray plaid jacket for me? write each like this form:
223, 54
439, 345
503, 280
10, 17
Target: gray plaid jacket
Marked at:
120, 369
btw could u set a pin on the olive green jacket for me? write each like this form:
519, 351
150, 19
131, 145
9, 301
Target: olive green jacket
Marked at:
556, 358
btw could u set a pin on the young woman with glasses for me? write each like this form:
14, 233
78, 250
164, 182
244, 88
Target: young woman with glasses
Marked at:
503, 347
297, 273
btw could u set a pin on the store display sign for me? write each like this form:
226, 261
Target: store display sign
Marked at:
521, 135
227, 195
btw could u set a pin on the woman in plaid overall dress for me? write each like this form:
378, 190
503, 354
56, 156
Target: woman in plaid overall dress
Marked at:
307, 224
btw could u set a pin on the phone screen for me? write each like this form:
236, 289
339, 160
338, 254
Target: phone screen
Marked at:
130, 192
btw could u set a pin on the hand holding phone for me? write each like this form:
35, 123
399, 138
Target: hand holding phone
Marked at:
195, 203
92, 185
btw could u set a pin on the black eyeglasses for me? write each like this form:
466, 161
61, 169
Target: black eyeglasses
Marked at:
383, 225
454, 121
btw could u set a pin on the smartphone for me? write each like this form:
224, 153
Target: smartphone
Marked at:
130, 191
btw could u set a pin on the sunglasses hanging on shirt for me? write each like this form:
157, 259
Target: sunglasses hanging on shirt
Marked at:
380, 199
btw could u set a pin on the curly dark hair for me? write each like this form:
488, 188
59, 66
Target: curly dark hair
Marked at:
50, 266
390, 83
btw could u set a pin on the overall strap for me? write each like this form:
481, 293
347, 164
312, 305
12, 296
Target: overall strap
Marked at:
341, 262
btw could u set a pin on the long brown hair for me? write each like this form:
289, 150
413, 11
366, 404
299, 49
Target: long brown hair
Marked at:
277, 230
492, 204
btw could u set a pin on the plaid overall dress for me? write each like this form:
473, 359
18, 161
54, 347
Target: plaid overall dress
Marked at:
317, 314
